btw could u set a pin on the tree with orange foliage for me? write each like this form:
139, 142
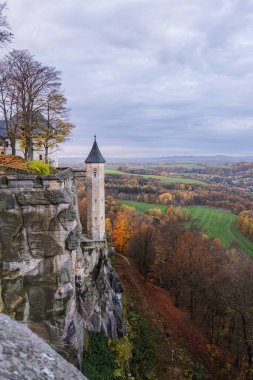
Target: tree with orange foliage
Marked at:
123, 228
176, 214
166, 198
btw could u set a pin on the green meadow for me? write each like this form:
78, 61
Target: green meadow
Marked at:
214, 222
221, 224
160, 178
142, 206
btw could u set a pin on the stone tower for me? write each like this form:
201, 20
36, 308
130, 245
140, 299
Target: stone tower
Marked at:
95, 190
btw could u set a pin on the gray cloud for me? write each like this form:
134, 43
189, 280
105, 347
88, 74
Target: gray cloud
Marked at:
150, 77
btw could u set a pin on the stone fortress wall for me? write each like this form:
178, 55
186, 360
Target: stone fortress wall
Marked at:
56, 280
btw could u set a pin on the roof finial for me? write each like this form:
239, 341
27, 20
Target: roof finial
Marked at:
95, 137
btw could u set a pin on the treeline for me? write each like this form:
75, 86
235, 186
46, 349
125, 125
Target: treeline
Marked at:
240, 168
149, 190
213, 284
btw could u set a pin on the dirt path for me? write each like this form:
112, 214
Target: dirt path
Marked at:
156, 303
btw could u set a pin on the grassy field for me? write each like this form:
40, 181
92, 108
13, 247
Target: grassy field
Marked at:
142, 206
214, 222
221, 224
161, 178
196, 174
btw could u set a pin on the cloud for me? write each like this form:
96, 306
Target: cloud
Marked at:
149, 77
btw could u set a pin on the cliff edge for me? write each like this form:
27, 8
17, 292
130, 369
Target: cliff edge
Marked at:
51, 277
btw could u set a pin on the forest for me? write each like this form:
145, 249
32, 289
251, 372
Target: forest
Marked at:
207, 278
151, 191
212, 283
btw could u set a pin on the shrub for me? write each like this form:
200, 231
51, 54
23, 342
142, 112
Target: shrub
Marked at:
53, 170
39, 166
99, 363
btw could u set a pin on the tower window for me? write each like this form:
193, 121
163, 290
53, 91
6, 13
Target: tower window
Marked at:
94, 172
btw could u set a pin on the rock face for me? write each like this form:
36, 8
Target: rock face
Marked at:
56, 280
24, 356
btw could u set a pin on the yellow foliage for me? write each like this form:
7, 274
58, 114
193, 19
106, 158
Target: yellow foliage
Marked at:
108, 228
166, 198
176, 214
157, 212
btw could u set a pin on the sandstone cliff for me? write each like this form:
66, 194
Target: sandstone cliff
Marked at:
54, 279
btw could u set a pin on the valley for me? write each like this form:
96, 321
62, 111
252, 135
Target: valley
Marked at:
190, 242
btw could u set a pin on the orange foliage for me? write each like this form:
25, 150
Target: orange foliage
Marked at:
245, 223
123, 228
176, 214
165, 198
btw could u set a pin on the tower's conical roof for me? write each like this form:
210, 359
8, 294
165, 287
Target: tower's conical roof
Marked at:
95, 156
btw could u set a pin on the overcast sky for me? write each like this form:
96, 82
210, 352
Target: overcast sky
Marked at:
149, 77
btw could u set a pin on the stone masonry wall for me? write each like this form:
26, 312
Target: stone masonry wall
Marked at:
58, 282
96, 201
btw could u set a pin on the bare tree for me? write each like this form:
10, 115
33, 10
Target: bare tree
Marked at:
9, 105
5, 35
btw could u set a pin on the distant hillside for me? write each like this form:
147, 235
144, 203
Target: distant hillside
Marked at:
63, 160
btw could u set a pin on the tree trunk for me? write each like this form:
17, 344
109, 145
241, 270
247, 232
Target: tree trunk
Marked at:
13, 147
29, 149
46, 154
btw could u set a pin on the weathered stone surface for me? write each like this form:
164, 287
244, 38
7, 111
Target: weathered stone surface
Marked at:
67, 216
32, 198
7, 201
59, 196
100, 293
24, 356
73, 240
47, 279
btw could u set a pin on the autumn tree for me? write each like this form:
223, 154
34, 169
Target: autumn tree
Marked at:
141, 248
56, 127
123, 228
108, 229
245, 223
34, 101
166, 198
155, 212
176, 214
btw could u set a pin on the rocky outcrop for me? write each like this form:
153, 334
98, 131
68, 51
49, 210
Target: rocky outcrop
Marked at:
99, 292
24, 356
58, 282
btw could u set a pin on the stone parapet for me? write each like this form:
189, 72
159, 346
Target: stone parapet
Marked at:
32, 181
